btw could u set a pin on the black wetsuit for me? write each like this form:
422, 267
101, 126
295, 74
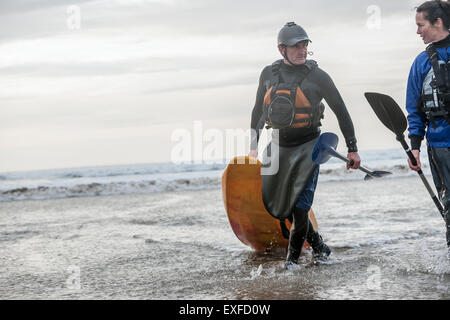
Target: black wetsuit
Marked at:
317, 85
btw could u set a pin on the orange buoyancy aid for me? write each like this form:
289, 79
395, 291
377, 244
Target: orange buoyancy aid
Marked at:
285, 105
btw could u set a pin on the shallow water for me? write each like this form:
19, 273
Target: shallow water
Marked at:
387, 238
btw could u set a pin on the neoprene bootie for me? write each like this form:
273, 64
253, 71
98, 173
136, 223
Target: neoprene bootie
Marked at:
297, 236
291, 259
320, 250
447, 223
447, 219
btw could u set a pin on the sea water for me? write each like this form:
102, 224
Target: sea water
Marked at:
172, 239
164, 177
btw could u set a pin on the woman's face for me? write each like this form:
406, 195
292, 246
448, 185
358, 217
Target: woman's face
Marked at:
429, 32
297, 53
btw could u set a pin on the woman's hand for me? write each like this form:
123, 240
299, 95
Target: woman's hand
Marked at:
253, 153
416, 154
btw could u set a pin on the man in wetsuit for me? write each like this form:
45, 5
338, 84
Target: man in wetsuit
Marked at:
315, 84
428, 97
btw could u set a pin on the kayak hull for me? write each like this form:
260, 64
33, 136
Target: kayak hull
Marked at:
249, 219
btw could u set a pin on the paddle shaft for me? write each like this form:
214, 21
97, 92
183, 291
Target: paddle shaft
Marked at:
411, 157
362, 168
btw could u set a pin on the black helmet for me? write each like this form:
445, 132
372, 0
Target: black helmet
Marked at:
291, 34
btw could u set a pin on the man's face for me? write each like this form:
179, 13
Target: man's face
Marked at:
297, 53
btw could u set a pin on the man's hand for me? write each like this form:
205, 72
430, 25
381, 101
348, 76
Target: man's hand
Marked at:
253, 153
416, 154
356, 160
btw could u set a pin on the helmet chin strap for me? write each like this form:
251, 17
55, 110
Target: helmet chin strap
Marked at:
290, 62
284, 54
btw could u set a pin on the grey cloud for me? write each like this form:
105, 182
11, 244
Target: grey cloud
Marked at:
136, 66
199, 17
22, 6
82, 69
208, 84
256, 17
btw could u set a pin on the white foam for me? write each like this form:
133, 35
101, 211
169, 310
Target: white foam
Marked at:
166, 177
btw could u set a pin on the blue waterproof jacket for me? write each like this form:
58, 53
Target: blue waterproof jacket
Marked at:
438, 137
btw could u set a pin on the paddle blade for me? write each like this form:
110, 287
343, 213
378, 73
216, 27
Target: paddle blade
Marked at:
388, 111
324, 147
376, 174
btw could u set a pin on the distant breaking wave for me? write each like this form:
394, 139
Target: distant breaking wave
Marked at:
167, 177
117, 180
112, 171
108, 188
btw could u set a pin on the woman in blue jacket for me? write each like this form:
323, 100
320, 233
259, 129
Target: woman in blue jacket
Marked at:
428, 97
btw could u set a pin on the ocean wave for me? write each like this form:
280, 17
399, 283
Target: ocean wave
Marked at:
15, 235
340, 173
52, 184
109, 188
113, 171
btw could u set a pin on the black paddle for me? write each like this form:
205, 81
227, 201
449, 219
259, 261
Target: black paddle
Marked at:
325, 148
390, 114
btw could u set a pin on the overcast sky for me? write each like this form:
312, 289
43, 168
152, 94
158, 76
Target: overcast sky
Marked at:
106, 82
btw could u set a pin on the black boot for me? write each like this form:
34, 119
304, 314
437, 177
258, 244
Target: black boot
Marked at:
291, 259
448, 230
320, 250
446, 202
447, 223
297, 236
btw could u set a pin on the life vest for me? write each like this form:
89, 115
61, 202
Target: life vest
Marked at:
435, 98
285, 105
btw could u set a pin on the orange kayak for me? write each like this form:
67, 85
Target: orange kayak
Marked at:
249, 219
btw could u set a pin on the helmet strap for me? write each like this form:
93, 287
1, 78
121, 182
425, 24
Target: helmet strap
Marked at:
287, 59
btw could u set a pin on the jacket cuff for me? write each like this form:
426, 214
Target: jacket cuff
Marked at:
351, 144
416, 141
